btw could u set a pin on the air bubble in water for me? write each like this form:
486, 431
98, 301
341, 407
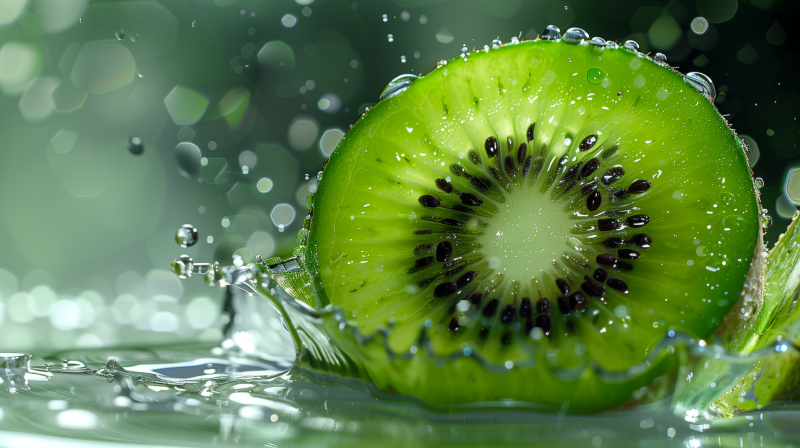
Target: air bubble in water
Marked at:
119, 33
631, 45
575, 36
135, 145
385, 18
186, 235
702, 83
552, 32
391, 38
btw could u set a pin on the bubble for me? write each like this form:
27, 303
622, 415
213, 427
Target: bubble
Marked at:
119, 33
595, 75
282, 215
390, 37
264, 185
135, 145
751, 149
329, 140
385, 18
186, 235
187, 156
288, 20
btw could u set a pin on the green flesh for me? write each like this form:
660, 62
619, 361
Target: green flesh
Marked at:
531, 230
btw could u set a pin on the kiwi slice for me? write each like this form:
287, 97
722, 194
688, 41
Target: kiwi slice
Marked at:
540, 214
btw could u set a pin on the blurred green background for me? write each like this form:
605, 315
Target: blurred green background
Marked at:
120, 121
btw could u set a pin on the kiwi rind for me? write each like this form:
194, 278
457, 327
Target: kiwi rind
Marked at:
384, 120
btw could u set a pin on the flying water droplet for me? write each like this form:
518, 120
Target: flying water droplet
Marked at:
307, 177
702, 83
595, 75
135, 145
183, 266
391, 38
187, 156
598, 41
496, 44
575, 36
397, 86
385, 18
186, 235
631, 45
119, 33
194, 23
552, 32
403, 59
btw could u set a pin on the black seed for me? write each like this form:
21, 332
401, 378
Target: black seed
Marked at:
422, 262
527, 166
543, 306
479, 184
525, 308
444, 289
510, 167
563, 305
562, 162
466, 279
484, 332
470, 199
543, 322
423, 232
610, 152
607, 260
475, 298
639, 186
474, 157
490, 307
590, 167
451, 222
506, 338
443, 251
617, 284
613, 175
577, 301
592, 288
530, 132
588, 189
563, 286
608, 224
588, 142
456, 170
571, 172
491, 147
594, 200
628, 254
444, 185
637, 220
423, 249
612, 243
521, 153
508, 314
454, 327
428, 201
600, 275
642, 240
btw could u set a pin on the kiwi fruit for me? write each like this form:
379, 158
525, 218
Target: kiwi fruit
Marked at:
529, 222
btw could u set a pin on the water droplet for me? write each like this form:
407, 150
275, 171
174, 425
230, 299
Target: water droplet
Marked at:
552, 32
403, 59
611, 44
135, 145
464, 49
187, 155
319, 175
194, 23
565, 8
119, 33
575, 36
631, 45
183, 266
385, 18
391, 38
307, 177
595, 75
598, 41
759, 183
514, 40
702, 83
496, 43
186, 235
397, 86
660, 58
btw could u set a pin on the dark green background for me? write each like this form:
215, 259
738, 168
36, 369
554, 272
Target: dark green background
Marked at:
86, 229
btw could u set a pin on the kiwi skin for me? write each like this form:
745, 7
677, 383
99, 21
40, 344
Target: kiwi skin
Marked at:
370, 166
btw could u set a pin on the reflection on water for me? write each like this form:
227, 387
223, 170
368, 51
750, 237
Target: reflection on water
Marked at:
247, 392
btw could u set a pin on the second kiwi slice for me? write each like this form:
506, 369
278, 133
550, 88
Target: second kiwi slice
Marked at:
563, 199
